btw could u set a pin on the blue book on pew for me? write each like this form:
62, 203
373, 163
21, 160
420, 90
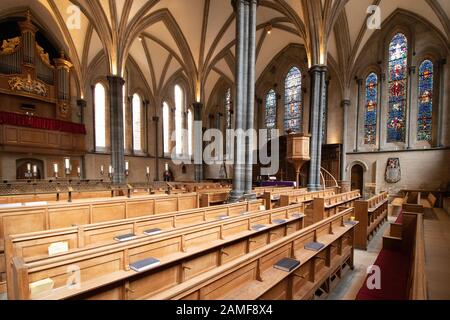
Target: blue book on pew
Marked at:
279, 221
258, 227
314, 246
222, 217
125, 237
144, 265
298, 215
287, 264
350, 223
152, 232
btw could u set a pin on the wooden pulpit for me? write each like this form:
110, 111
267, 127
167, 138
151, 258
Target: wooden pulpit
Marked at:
297, 152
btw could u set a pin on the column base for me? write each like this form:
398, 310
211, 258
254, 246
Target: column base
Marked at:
236, 196
314, 187
250, 196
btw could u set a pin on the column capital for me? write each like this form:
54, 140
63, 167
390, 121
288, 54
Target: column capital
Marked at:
116, 80
359, 81
234, 3
345, 103
82, 103
155, 119
318, 68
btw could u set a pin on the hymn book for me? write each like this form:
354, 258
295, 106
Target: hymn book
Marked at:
152, 232
125, 237
314, 246
144, 265
287, 264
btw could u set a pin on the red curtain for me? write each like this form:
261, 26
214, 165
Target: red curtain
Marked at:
21, 120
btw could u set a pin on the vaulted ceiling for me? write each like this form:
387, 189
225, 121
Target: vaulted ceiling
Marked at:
196, 37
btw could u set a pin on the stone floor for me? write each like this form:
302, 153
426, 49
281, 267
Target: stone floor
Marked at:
349, 286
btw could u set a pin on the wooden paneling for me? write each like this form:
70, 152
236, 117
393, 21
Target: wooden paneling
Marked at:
41, 139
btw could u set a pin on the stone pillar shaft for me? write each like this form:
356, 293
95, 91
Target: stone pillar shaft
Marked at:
250, 96
358, 110
198, 142
239, 145
318, 99
116, 128
345, 106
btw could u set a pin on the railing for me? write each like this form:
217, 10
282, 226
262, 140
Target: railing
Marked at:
327, 179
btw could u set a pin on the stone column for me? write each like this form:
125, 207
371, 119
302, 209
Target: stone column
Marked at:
358, 109
345, 105
380, 111
116, 128
156, 123
250, 99
318, 75
241, 62
440, 138
146, 104
322, 106
198, 142
411, 71
82, 104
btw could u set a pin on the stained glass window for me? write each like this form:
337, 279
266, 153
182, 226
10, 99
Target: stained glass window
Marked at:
424, 116
271, 111
398, 75
370, 117
293, 101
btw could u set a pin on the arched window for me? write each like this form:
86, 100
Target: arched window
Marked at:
137, 123
370, 118
179, 108
425, 110
100, 115
271, 111
190, 132
293, 100
398, 76
166, 128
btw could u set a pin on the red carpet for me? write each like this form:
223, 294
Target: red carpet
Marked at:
395, 267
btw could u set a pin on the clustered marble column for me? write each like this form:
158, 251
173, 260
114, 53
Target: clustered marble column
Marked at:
345, 106
318, 74
116, 128
198, 142
245, 97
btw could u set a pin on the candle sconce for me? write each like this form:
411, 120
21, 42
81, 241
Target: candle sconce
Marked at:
28, 173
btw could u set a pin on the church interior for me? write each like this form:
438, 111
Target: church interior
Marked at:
224, 150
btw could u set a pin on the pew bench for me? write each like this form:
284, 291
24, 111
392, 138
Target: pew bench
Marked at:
371, 214
324, 207
402, 262
192, 250
253, 276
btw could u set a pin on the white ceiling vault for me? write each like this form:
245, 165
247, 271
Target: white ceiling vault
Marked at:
196, 37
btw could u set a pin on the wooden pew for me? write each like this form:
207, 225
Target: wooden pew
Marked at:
18, 218
299, 195
327, 206
183, 254
253, 276
408, 238
371, 214
36, 244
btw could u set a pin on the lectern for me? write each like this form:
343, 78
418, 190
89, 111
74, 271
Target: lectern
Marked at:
297, 152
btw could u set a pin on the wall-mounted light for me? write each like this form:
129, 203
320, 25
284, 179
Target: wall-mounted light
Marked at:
269, 29
140, 38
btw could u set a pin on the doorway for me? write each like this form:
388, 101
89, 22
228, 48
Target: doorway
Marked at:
357, 178
22, 169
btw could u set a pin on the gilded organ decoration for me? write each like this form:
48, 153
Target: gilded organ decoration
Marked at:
10, 46
28, 85
44, 56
